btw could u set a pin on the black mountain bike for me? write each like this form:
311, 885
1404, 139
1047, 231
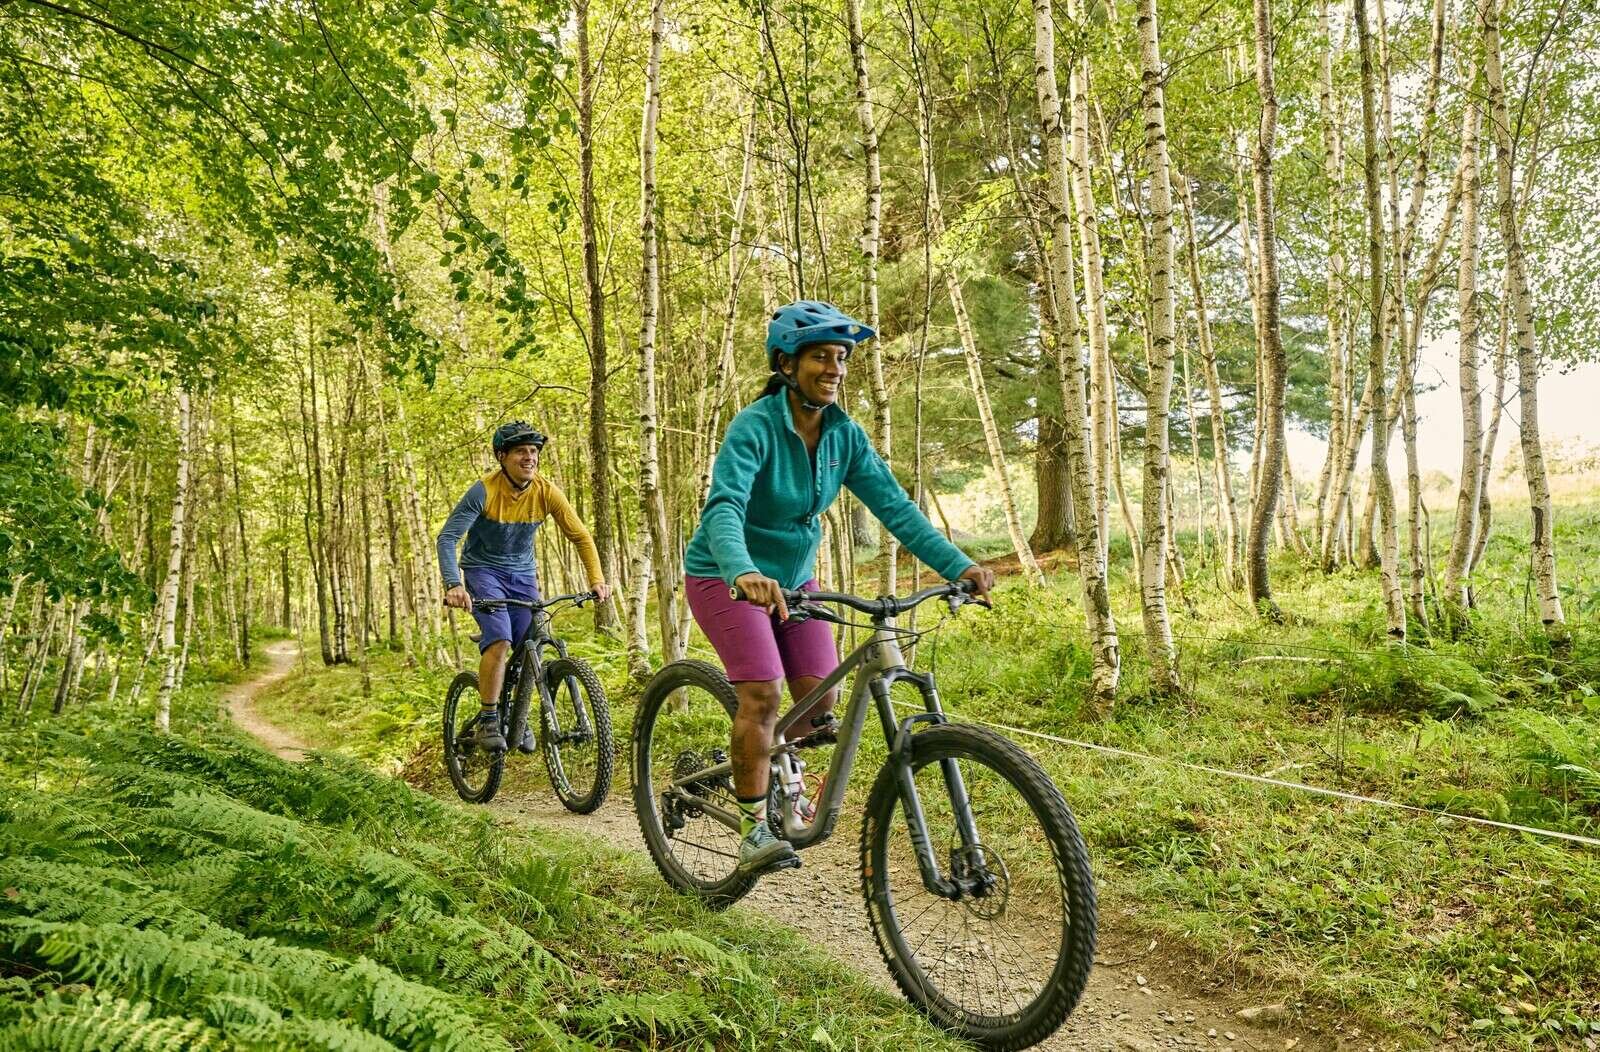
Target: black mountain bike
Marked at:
574, 719
976, 879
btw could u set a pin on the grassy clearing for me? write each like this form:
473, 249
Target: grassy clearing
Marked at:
193, 891
1436, 928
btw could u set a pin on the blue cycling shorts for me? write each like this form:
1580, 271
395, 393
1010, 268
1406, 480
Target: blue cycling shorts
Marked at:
506, 623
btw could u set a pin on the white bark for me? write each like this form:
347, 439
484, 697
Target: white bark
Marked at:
652, 503
1227, 506
888, 547
1158, 390
1102, 628
1329, 515
1270, 338
1394, 603
168, 609
1542, 542
1461, 538
1102, 384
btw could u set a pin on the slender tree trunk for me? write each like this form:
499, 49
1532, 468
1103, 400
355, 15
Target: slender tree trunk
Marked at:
1275, 365
969, 344
1456, 585
1102, 383
871, 242
1219, 427
1158, 390
1102, 628
38, 657
72, 651
1200, 542
1334, 482
244, 540
168, 608
1394, 604
652, 505
1542, 552
721, 388
605, 539
1491, 438
5, 627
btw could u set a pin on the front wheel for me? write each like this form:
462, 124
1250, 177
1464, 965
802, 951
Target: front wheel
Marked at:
475, 773
575, 735
1003, 961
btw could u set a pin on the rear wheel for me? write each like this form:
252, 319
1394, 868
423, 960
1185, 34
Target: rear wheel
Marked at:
685, 724
475, 773
1003, 962
575, 735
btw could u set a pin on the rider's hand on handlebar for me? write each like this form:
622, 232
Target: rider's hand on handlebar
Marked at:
602, 592
982, 580
764, 592
457, 597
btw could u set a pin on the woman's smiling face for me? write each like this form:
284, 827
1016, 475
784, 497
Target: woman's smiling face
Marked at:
819, 371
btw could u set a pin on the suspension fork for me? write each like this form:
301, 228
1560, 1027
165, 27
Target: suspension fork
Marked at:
898, 733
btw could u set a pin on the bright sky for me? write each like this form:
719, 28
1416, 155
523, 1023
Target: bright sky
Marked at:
1569, 410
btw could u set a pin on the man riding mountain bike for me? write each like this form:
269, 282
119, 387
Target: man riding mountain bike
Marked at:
781, 465
499, 515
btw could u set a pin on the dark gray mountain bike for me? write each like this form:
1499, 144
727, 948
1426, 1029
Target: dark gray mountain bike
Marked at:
976, 879
574, 718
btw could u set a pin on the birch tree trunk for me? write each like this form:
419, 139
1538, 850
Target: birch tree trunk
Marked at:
1102, 627
1329, 516
168, 610
721, 388
1394, 604
1274, 364
244, 542
1102, 384
969, 343
652, 506
1542, 543
871, 241
1227, 506
1491, 438
1158, 390
1461, 538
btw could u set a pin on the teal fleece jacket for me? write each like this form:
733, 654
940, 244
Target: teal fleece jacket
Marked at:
763, 513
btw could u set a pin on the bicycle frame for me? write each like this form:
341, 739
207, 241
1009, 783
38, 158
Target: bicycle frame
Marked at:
878, 664
525, 672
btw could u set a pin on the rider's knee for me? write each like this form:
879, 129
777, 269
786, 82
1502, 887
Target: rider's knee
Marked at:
497, 650
760, 699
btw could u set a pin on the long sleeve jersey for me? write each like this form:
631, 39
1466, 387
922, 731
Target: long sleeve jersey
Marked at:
768, 493
499, 522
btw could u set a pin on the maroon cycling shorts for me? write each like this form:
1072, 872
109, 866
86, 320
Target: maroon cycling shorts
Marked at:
755, 645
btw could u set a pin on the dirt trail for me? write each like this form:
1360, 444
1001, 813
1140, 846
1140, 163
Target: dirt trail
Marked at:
1137, 998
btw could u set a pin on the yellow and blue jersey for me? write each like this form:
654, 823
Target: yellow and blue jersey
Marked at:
499, 522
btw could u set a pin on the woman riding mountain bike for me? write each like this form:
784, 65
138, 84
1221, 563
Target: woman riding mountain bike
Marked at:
780, 467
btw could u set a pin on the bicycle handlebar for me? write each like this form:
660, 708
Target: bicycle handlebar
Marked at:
577, 599
959, 592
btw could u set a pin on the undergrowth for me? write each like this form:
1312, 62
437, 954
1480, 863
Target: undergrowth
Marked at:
191, 891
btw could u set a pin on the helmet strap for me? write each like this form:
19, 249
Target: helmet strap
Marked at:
514, 484
805, 403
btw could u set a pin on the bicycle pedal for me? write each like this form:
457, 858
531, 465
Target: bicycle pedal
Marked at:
792, 862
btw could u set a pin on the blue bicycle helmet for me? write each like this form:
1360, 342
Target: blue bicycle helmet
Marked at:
517, 433
811, 321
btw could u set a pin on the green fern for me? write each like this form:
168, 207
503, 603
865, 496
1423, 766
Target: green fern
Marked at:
103, 1023
1565, 755
688, 946
649, 1018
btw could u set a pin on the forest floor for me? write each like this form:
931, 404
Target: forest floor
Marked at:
1141, 995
